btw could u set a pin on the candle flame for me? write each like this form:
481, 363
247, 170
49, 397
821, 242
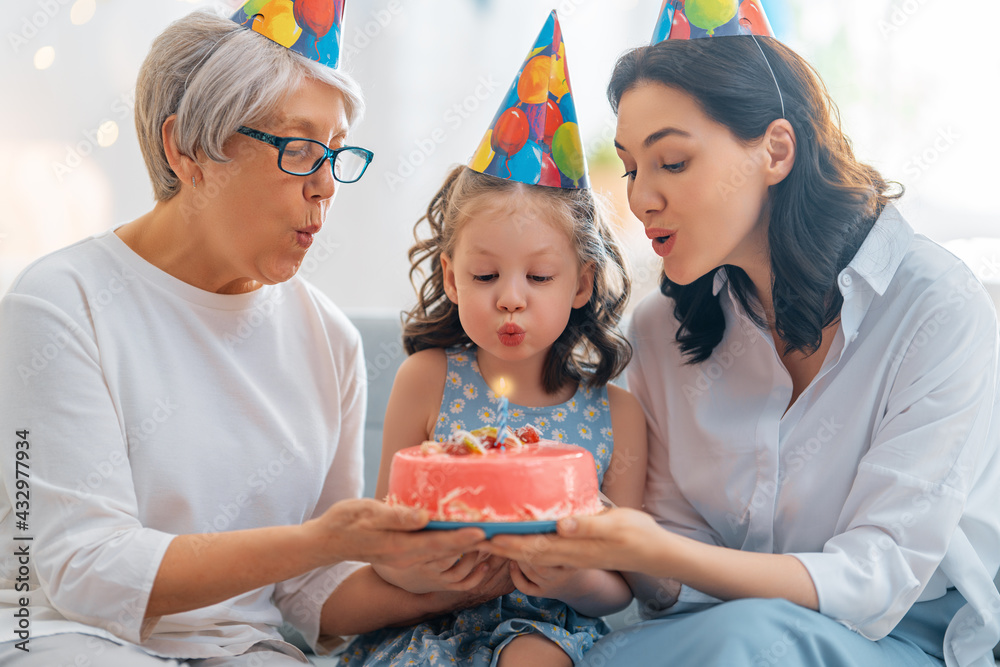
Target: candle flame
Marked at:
502, 388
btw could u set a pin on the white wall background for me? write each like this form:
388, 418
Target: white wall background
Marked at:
916, 81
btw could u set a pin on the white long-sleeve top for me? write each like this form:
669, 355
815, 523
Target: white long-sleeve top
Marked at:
155, 409
882, 478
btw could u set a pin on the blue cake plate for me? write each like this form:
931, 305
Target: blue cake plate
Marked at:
491, 528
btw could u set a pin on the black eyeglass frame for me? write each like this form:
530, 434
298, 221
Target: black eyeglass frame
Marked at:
329, 153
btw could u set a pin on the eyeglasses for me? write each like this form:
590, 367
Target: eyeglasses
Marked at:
300, 157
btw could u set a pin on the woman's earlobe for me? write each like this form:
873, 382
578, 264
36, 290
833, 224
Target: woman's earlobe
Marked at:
182, 165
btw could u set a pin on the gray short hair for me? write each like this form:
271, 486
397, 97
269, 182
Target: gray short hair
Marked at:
216, 76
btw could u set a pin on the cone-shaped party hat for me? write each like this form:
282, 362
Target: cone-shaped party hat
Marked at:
534, 138
694, 19
308, 27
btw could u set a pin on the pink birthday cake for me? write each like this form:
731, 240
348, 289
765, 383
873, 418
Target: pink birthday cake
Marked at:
470, 478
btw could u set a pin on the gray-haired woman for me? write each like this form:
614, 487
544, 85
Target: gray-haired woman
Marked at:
181, 415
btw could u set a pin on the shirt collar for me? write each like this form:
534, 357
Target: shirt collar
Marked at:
875, 262
721, 279
881, 253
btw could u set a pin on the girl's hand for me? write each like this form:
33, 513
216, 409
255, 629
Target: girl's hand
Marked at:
462, 573
546, 581
495, 583
620, 539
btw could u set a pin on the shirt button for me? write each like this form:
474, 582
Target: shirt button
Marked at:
845, 280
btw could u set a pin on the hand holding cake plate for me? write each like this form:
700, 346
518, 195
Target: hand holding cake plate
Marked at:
521, 485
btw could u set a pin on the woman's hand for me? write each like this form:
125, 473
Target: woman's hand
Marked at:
462, 573
619, 539
368, 530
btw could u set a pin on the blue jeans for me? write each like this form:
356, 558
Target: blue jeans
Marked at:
775, 633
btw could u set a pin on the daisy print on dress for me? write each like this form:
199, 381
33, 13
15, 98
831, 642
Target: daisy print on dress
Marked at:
457, 406
470, 391
585, 432
591, 413
461, 358
486, 415
559, 415
454, 380
572, 404
559, 435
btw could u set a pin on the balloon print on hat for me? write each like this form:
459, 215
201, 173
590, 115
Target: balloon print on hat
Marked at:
696, 19
534, 137
710, 14
308, 27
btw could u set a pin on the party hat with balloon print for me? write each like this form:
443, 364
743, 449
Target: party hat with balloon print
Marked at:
308, 27
694, 19
534, 138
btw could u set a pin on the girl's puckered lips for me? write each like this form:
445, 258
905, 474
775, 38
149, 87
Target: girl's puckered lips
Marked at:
510, 334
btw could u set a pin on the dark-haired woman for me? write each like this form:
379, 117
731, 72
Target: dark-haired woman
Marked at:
819, 384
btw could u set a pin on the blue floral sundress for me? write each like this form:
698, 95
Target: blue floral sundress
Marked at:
475, 636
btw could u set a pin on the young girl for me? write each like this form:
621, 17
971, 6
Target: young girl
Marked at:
526, 283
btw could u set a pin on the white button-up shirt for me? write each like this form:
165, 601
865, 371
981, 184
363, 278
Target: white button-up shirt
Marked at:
882, 477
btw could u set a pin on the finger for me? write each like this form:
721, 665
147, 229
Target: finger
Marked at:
443, 564
449, 543
462, 568
523, 583
528, 569
582, 527
405, 550
474, 579
522, 548
395, 517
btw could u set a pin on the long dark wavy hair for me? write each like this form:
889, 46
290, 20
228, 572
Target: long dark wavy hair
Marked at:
818, 216
590, 351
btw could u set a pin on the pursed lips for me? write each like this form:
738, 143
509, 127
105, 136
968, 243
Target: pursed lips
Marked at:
510, 334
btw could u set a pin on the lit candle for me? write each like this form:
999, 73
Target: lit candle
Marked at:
502, 393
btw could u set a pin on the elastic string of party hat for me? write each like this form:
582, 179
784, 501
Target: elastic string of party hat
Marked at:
780, 96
